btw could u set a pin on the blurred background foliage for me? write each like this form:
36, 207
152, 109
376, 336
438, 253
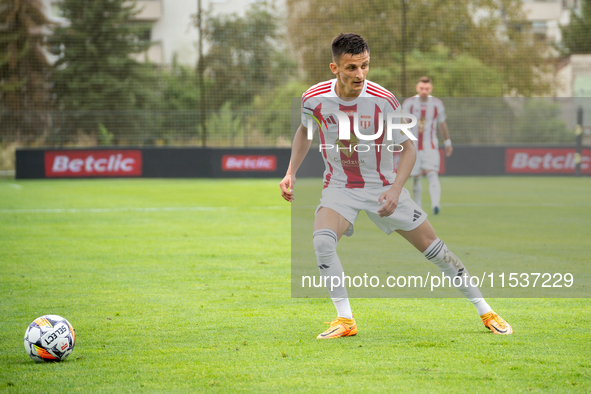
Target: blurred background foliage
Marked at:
89, 81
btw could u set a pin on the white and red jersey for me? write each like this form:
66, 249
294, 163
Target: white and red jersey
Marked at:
428, 114
354, 163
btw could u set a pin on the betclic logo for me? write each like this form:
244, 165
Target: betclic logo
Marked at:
545, 161
93, 163
249, 163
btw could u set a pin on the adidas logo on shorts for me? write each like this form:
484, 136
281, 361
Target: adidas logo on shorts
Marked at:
417, 215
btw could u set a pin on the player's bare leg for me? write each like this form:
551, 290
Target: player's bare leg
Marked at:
434, 191
426, 241
329, 227
329, 218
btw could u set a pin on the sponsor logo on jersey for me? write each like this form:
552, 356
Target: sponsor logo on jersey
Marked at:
93, 163
350, 149
349, 163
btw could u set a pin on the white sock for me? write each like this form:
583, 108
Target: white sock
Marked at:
481, 305
451, 266
434, 188
417, 190
325, 246
343, 307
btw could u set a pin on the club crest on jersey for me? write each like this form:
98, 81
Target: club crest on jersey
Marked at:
365, 122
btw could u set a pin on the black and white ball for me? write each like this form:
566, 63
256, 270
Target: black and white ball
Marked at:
49, 338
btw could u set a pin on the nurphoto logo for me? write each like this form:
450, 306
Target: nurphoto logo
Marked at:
344, 125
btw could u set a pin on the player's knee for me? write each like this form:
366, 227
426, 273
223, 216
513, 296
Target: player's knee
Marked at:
325, 242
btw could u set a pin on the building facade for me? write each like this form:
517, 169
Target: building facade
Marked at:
173, 30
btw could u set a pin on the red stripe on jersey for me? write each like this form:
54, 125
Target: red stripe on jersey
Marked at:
317, 87
433, 131
389, 98
379, 89
378, 143
316, 113
350, 163
423, 114
315, 94
384, 92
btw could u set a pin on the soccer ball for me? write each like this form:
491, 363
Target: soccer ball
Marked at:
49, 338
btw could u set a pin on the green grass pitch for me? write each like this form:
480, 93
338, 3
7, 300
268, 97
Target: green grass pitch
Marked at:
184, 286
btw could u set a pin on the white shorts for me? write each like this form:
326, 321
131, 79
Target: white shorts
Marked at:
427, 159
349, 202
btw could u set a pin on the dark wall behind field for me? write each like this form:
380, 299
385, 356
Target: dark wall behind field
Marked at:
166, 162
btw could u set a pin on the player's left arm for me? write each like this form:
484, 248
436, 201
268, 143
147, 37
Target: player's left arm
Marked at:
405, 165
446, 140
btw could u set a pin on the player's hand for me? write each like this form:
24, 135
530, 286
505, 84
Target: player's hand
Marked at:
448, 151
286, 186
389, 199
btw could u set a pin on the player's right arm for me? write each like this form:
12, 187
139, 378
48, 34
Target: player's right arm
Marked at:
446, 138
300, 147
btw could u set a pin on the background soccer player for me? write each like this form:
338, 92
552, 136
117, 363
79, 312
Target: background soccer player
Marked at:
430, 113
364, 180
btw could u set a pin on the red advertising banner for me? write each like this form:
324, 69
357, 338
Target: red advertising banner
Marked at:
93, 163
249, 163
545, 161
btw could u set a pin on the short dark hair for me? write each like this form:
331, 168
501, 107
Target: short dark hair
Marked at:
348, 43
424, 80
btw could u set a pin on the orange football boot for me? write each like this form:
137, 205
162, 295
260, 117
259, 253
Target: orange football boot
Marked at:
496, 324
339, 327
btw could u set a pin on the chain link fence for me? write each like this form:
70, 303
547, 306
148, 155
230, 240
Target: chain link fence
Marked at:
79, 83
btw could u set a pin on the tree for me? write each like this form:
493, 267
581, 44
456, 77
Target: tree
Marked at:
24, 68
576, 37
97, 69
491, 31
271, 114
453, 76
180, 100
245, 56
246, 62
540, 122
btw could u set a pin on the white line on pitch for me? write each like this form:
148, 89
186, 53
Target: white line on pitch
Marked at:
515, 204
501, 205
112, 210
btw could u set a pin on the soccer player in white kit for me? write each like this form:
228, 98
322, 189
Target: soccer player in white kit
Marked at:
430, 113
362, 179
